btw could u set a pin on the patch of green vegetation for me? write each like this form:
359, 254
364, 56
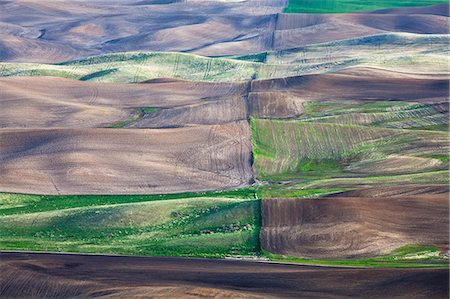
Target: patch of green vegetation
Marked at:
11, 203
141, 225
148, 110
392, 114
442, 157
138, 114
409, 256
294, 191
435, 127
396, 51
342, 6
98, 74
257, 57
321, 155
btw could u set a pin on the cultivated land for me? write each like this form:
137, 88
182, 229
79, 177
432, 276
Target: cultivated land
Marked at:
400, 52
349, 227
339, 6
132, 277
120, 161
224, 129
208, 224
62, 103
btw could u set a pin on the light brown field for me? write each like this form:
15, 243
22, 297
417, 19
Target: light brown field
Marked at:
296, 30
57, 102
56, 31
125, 161
61, 136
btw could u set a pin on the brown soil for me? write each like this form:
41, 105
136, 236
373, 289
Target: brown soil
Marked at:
32, 275
37, 31
296, 30
360, 84
284, 98
125, 161
57, 102
348, 227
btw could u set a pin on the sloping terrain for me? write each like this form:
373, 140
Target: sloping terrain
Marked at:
302, 29
339, 6
33, 31
119, 161
55, 276
396, 52
56, 102
208, 224
357, 84
331, 136
304, 149
58, 31
353, 227
224, 129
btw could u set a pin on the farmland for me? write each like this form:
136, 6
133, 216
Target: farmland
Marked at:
341, 6
401, 52
344, 149
237, 149
218, 224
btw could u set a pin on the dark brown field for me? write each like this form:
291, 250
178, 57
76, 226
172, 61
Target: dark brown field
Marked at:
284, 98
357, 224
359, 84
42, 275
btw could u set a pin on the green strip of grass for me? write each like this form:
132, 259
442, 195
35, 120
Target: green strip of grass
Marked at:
409, 256
342, 6
295, 191
201, 227
11, 203
138, 114
345, 155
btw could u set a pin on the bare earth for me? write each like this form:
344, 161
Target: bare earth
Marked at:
358, 223
125, 161
56, 31
168, 135
43, 275
358, 84
56, 102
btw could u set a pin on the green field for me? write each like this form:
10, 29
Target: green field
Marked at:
342, 145
392, 51
212, 224
379, 114
417, 256
206, 225
134, 67
342, 6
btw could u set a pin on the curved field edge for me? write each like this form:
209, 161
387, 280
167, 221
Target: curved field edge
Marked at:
203, 225
342, 6
411, 53
408, 256
334, 151
212, 225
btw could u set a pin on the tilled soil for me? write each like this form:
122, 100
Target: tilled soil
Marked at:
354, 227
34, 31
125, 161
43, 275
